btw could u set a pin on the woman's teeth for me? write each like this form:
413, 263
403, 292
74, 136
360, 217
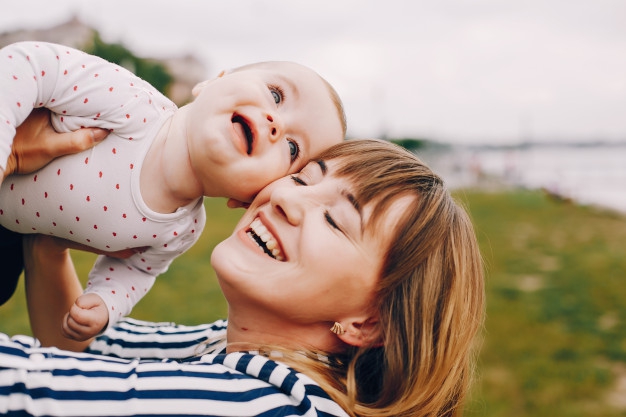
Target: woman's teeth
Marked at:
265, 240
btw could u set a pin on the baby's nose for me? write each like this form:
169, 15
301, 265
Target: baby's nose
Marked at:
275, 127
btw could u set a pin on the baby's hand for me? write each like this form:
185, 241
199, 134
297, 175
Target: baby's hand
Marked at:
87, 317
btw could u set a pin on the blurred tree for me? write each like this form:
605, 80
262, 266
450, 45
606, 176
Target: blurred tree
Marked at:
153, 72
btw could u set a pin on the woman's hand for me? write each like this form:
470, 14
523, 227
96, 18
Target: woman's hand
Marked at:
36, 143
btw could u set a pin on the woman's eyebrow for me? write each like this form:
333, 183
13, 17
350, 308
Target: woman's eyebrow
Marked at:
322, 166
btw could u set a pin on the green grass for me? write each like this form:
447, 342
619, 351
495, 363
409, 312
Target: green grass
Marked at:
555, 333
555, 336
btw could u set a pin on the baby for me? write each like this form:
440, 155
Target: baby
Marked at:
143, 187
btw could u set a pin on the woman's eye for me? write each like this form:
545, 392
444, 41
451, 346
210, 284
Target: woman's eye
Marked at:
330, 220
298, 180
294, 150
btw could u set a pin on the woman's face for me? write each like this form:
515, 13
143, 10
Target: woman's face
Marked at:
325, 262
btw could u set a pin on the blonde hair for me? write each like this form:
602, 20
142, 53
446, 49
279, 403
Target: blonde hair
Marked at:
430, 297
334, 96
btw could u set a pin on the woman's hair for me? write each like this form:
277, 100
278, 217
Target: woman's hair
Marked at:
430, 295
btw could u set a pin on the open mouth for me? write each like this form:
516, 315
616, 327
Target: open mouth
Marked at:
266, 241
247, 131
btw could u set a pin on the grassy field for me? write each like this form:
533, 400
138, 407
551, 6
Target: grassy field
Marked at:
555, 337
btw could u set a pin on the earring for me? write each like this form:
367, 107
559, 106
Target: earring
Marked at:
337, 328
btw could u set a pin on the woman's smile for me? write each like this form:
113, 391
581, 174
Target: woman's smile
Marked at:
265, 239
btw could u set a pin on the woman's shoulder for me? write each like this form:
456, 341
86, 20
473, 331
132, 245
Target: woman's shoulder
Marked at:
131, 338
292, 392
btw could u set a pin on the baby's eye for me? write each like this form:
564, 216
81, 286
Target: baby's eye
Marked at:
277, 94
294, 150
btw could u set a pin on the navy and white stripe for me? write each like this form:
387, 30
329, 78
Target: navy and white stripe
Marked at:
175, 381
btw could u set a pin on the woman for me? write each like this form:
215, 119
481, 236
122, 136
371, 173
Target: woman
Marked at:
360, 273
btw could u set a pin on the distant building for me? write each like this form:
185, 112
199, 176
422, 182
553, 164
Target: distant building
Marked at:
186, 70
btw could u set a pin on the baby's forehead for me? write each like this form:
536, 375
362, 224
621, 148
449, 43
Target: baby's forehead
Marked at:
284, 68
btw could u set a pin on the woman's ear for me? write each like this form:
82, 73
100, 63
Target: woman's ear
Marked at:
361, 332
195, 91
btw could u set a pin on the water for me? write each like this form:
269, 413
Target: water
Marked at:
590, 175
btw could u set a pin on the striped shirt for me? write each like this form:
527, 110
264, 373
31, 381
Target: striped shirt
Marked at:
183, 371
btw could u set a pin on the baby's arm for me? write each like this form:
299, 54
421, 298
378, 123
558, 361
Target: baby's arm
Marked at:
82, 90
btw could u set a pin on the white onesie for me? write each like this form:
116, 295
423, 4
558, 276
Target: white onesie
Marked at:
92, 197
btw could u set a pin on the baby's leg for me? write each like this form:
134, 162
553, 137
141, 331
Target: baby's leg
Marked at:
11, 262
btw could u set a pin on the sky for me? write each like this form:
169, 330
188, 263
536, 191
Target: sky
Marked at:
459, 71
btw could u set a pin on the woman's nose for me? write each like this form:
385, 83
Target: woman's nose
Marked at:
290, 203
275, 126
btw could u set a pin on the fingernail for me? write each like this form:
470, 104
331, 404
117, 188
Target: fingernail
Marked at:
99, 135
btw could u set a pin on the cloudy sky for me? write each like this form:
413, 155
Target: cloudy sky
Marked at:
464, 71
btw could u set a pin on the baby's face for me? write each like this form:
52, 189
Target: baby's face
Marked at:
252, 126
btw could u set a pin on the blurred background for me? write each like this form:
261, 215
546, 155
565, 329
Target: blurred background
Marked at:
519, 105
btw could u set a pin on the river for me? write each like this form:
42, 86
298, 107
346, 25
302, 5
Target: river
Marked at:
589, 175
